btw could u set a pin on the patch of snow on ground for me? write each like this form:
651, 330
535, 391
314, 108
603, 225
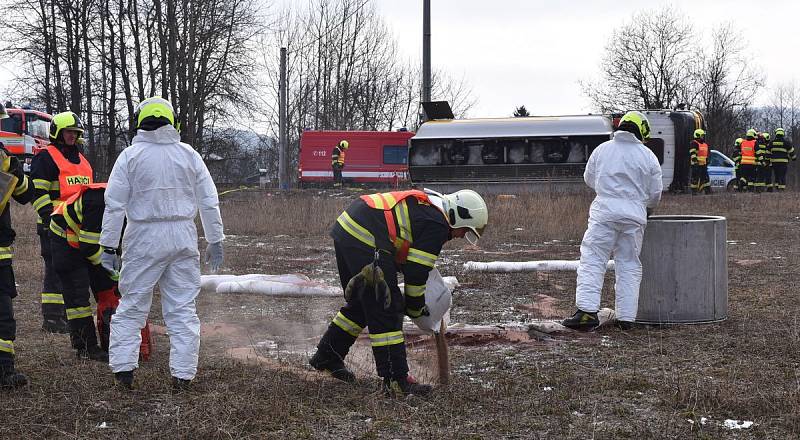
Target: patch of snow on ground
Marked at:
738, 424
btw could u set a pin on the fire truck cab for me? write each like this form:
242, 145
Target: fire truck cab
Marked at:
24, 133
377, 158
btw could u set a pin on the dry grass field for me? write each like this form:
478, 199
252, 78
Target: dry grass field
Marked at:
678, 382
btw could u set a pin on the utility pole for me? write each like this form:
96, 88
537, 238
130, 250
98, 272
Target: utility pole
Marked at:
283, 166
426, 50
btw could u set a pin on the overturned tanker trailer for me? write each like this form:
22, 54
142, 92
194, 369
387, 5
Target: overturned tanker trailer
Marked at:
537, 153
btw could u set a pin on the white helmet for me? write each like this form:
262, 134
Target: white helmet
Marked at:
463, 209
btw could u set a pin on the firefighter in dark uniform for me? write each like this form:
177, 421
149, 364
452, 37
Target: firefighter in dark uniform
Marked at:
75, 233
337, 161
23, 193
57, 172
698, 152
396, 232
782, 150
737, 158
763, 180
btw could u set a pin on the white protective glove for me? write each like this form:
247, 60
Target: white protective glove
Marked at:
215, 255
110, 260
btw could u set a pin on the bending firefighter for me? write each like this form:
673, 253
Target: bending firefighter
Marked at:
626, 176
698, 152
75, 235
159, 183
57, 173
782, 150
16, 185
378, 236
337, 161
763, 163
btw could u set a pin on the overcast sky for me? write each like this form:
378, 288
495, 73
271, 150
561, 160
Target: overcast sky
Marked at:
535, 52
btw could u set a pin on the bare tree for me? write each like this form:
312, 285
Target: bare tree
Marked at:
645, 63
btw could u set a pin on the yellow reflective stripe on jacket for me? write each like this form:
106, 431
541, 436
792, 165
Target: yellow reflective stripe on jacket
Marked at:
7, 346
89, 237
44, 185
41, 202
403, 220
95, 258
73, 224
347, 325
779, 150
421, 257
21, 186
58, 230
356, 230
79, 312
52, 298
6, 252
414, 313
414, 291
780, 160
384, 339
383, 200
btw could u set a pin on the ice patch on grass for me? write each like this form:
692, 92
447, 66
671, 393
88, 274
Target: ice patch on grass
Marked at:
605, 341
738, 424
547, 389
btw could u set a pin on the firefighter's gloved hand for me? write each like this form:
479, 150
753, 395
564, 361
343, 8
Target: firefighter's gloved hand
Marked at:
15, 168
110, 260
215, 255
367, 279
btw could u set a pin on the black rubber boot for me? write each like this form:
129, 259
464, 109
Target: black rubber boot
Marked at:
331, 351
93, 353
56, 325
624, 325
402, 387
124, 379
10, 378
179, 384
582, 321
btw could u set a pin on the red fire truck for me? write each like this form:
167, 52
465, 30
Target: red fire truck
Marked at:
373, 157
24, 133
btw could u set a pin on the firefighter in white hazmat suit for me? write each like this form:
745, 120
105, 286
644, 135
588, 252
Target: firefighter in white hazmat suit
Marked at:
159, 183
626, 176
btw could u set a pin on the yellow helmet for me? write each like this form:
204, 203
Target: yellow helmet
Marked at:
466, 209
344, 144
751, 133
699, 133
155, 107
65, 121
638, 120
766, 135
739, 142
779, 132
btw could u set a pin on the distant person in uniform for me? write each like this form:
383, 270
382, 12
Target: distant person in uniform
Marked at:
337, 161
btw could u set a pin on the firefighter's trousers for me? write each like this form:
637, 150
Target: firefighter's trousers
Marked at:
765, 177
700, 181
8, 325
366, 310
780, 175
77, 277
52, 300
746, 177
337, 174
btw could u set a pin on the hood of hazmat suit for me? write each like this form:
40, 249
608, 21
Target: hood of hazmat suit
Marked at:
626, 176
160, 184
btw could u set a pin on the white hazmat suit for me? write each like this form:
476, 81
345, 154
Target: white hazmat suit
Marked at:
626, 176
159, 183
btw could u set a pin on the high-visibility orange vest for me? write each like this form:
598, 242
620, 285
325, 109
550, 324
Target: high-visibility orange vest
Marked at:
71, 233
748, 150
71, 176
702, 153
387, 202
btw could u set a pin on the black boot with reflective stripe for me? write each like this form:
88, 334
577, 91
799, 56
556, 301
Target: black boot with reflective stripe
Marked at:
402, 387
10, 378
582, 321
331, 351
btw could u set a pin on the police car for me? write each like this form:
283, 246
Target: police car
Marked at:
721, 171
